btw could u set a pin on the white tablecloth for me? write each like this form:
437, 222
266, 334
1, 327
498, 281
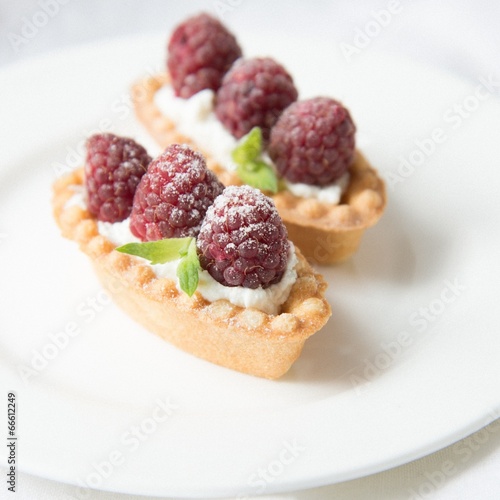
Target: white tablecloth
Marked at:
467, 470
462, 37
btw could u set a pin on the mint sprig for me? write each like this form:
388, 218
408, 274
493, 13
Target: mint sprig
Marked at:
158, 252
249, 147
188, 269
162, 251
251, 169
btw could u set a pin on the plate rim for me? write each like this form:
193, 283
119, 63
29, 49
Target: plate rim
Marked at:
453, 436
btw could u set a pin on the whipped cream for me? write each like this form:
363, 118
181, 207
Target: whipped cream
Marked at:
267, 300
195, 118
327, 194
79, 198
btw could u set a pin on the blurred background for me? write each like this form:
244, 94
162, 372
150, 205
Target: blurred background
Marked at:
458, 36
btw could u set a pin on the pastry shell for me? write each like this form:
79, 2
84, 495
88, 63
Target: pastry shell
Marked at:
243, 339
324, 232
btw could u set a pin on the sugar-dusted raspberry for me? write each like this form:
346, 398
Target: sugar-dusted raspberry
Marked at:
173, 196
313, 141
113, 168
243, 241
254, 92
200, 51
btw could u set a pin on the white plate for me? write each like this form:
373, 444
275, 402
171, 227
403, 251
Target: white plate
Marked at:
407, 364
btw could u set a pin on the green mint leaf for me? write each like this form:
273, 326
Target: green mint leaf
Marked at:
188, 269
161, 251
249, 147
250, 167
259, 175
158, 252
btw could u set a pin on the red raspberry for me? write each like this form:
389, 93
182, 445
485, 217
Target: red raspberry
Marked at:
200, 51
253, 93
242, 240
313, 141
173, 196
113, 168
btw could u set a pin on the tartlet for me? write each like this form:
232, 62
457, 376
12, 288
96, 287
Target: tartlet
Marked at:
243, 339
326, 233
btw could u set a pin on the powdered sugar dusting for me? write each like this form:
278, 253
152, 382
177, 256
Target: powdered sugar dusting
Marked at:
195, 118
242, 240
173, 195
268, 300
114, 167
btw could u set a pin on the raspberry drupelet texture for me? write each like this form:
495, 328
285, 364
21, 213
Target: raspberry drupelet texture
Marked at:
200, 51
114, 167
313, 142
173, 196
254, 92
243, 241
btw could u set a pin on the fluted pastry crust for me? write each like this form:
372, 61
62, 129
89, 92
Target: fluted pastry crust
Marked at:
242, 339
325, 233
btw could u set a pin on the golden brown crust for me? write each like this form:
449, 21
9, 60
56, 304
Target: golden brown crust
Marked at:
246, 340
324, 232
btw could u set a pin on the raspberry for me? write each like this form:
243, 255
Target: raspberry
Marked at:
242, 240
200, 51
313, 141
253, 93
113, 168
173, 196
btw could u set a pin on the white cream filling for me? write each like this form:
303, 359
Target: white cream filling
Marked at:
195, 118
327, 194
267, 300
79, 197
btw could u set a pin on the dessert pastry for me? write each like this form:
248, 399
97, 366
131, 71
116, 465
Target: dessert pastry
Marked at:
328, 201
208, 268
